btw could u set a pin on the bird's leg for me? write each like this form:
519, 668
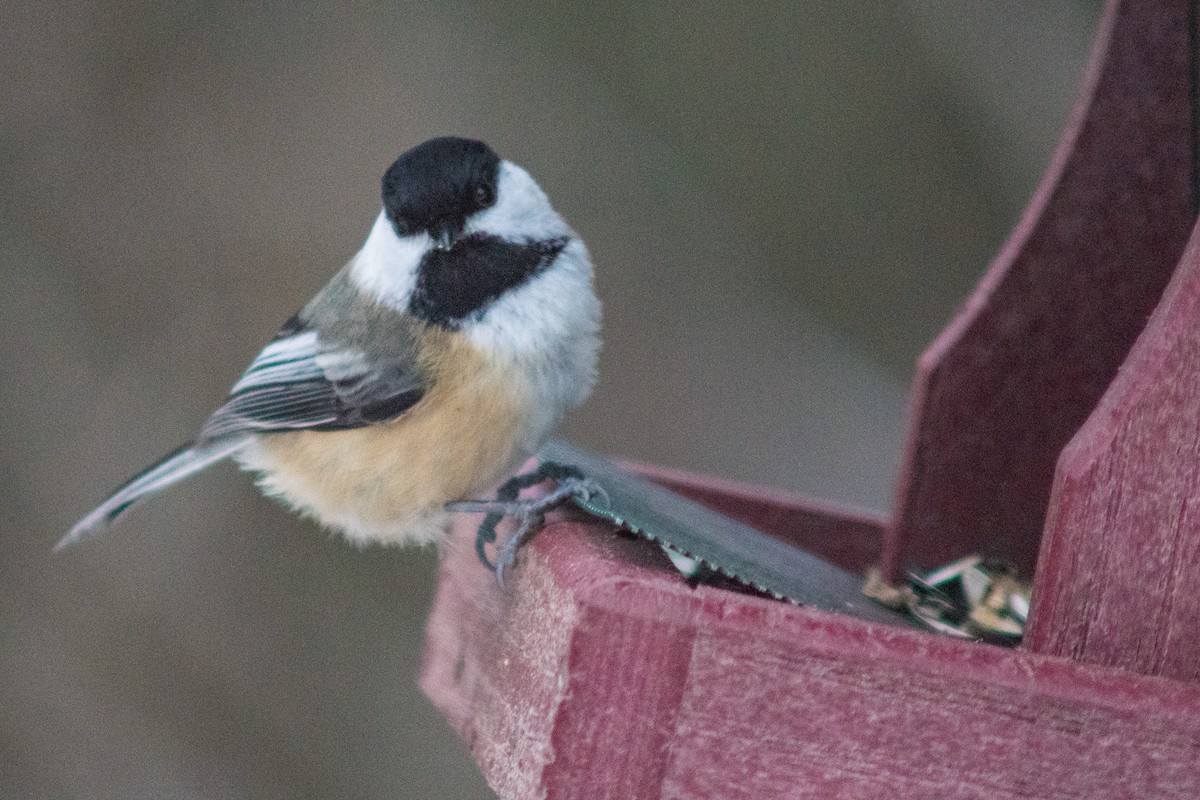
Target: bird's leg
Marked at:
506, 496
530, 512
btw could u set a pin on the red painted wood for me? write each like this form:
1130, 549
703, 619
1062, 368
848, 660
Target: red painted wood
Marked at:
1119, 575
599, 674
1013, 377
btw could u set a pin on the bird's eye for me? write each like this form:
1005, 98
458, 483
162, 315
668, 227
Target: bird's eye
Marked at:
485, 195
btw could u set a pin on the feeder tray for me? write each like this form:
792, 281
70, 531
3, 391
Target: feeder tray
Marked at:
1055, 425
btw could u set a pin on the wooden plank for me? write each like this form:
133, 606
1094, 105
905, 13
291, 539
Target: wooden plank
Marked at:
1119, 575
600, 674
1005, 386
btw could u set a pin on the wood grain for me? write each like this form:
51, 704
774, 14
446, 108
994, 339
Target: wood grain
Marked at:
1119, 575
602, 675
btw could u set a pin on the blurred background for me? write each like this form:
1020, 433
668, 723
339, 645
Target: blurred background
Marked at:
785, 202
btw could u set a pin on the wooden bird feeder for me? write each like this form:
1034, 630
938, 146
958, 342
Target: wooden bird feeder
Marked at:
1055, 423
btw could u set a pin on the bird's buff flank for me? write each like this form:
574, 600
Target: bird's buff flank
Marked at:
390, 481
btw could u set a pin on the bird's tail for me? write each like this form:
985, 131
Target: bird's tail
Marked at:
187, 460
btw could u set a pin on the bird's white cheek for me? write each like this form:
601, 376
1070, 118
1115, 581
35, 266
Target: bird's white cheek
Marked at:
386, 266
521, 213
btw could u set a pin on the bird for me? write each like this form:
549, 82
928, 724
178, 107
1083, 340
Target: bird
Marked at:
430, 367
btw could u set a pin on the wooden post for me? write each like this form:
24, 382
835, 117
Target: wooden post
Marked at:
1009, 381
1118, 579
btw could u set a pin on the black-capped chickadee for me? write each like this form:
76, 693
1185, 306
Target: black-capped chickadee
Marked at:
436, 362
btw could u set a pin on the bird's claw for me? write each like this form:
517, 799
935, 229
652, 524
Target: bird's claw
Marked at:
531, 513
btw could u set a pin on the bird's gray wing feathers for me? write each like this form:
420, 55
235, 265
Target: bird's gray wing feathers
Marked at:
302, 380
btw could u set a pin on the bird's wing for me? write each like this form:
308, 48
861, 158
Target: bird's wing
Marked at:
331, 367
303, 380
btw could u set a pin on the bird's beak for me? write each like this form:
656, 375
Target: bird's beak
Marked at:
444, 235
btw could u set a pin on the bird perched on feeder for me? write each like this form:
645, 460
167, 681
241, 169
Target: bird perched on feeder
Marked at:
431, 366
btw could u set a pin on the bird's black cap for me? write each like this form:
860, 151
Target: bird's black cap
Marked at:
435, 185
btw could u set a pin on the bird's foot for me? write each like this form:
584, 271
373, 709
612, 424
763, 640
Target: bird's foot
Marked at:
530, 513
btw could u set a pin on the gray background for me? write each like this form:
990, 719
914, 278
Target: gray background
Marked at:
784, 203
